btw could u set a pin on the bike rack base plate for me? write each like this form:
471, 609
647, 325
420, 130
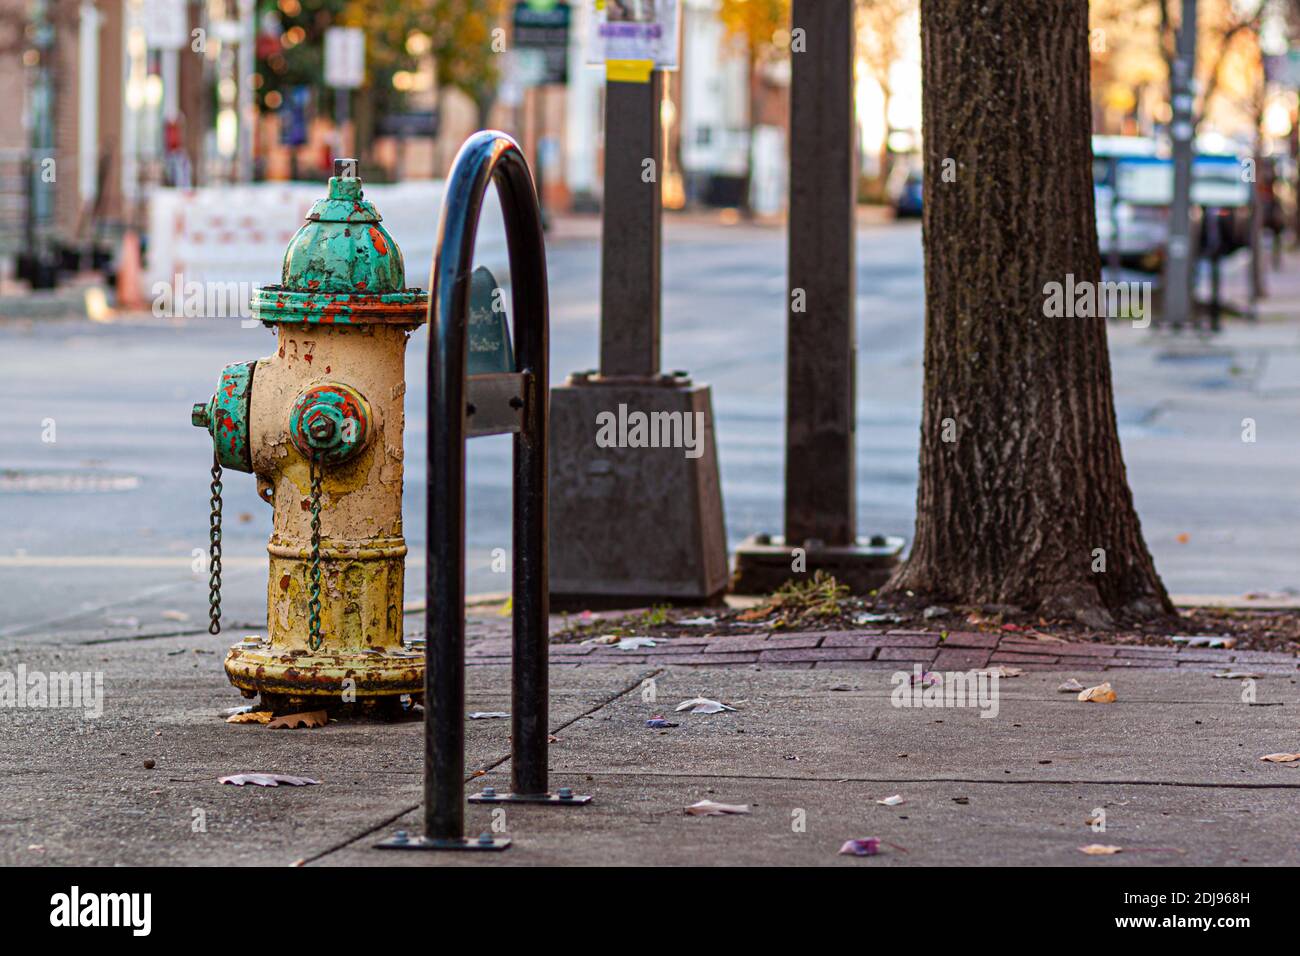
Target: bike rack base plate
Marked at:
576, 799
443, 843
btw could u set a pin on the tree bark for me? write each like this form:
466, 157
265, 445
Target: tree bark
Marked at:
1021, 475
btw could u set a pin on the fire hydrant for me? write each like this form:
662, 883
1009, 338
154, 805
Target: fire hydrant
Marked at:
319, 424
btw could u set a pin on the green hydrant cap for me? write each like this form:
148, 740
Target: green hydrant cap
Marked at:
342, 266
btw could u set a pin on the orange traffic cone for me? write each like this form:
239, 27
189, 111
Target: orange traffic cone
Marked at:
128, 273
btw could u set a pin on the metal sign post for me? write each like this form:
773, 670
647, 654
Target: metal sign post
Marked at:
820, 472
1180, 256
462, 406
635, 523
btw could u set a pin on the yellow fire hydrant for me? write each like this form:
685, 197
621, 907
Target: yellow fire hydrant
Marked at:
320, 425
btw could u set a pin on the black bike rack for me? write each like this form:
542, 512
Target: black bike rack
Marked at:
462, 407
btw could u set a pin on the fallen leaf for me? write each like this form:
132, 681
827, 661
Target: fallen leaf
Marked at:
487, 714
1237, 675
1100, 849
552, 739
933, 611
632, 643
1183, 538
1041, 636
1219, 642
175, 616
702, 705
754, 613
1281, 758
1001, 670
707, 808
603, 639
251, 717
1070, 686
877, 619
309, 719
867, 846
267, 780
245, 708
698, 621
1101, 694
893, 801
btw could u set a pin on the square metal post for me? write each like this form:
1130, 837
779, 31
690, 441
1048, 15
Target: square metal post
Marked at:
672, 547
631, 229
820, 467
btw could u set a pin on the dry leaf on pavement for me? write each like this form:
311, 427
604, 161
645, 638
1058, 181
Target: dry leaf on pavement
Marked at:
707, 808
1100, 849
1281, 758
1101, 694
867, 846
267, 780
251, 717
309, 719
1001, 670
1070, 686
702, 705
893, 801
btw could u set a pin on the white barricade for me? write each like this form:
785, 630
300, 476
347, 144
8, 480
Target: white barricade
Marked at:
238, 234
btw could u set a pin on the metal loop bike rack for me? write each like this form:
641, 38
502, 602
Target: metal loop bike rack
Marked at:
461, 407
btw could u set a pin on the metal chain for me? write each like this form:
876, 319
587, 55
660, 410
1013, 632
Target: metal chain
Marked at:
313, 606
214, 550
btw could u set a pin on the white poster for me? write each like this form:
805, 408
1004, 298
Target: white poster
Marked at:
636, 30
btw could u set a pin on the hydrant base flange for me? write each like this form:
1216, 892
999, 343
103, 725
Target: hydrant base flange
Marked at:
255, 666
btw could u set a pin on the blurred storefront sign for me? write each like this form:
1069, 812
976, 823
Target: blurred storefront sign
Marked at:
412, 123
541, 42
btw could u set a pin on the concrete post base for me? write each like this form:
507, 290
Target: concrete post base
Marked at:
765, 562
636, 501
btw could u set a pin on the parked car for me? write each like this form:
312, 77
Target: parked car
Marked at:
908, 202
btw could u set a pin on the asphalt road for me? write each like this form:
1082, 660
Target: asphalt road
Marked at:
1218, 513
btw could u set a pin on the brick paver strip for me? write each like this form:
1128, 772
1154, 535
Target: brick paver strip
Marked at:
960, 659
760, 642
675, 647
875, 649
1265, 657
969, 639
1165, 652
858, 639
1203, 655
1119, 663
1003, 657
920, 655
819, 654
857, 665
744, 657
1082, 650
570, 650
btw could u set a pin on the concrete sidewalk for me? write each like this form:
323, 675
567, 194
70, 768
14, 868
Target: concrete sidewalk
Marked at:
1174, 763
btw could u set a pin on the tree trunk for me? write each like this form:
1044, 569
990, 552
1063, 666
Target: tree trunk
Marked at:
1021, 475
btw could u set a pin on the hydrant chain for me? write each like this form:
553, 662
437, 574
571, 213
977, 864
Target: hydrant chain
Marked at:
313, 606
214, 551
